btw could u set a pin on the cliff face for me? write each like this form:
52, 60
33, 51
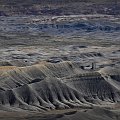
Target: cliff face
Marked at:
59, 7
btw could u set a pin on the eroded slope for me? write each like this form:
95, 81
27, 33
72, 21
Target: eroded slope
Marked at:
61, 85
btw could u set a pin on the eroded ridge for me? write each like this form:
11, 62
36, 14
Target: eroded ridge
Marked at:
45, 86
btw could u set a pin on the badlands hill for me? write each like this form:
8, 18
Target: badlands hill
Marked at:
42, 87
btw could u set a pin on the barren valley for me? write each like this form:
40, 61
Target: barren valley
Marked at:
59, 66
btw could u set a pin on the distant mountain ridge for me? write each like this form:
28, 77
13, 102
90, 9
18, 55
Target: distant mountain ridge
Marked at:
58, 7
54, 1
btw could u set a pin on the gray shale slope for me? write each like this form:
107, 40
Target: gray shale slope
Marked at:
62, 85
